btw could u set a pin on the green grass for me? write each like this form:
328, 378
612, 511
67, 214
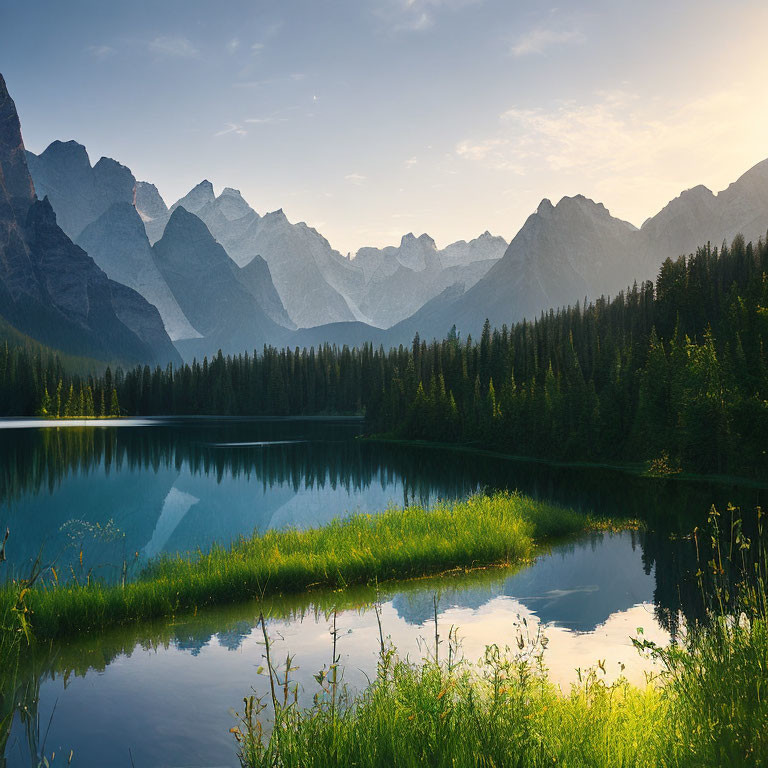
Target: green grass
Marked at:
708, 706
396, 544
14, 638
506, 713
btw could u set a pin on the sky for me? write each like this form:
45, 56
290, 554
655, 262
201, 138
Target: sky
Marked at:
372, 118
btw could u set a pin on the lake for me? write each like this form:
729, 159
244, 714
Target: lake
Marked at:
96, 499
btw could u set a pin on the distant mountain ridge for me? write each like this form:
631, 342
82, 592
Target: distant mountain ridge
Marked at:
117, 239
50, 289
316, 284
264, 279
206, 283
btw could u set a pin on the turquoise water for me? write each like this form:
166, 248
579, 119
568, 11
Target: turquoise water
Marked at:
162, 695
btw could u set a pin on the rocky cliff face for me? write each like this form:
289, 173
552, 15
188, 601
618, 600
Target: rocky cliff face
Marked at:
152, 209
205, 283
99, 207
399, 280
50, 288
256, 278
118, 243
300, 260
486, 247
78, 193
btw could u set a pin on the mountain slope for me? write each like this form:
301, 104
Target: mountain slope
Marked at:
576, 249
118, 243
97, 206
50, 289
400, 280
78, 193
204, 281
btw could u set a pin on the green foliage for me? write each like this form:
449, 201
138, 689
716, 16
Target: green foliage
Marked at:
504, 713
679, 367
397, 543
707, 707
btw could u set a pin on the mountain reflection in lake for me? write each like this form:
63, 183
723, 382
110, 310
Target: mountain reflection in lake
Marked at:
171, 688
166, 689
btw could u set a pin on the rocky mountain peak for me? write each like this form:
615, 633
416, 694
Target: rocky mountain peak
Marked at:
424, 240
232, 205
70, 152
148, 201
185, 221
201, 194
276, 216
14, 175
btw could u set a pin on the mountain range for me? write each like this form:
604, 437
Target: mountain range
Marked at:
50, 288
208, 272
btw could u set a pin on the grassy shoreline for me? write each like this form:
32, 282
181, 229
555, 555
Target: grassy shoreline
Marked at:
396, 544
708, 709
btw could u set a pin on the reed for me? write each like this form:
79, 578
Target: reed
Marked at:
499, 529
707, 707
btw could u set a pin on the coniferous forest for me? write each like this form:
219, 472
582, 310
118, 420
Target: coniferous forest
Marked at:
675, 372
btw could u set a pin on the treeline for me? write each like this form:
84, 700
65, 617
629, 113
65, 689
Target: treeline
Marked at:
675, 371
34, 382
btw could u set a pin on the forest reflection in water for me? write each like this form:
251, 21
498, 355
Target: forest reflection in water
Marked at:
182, 485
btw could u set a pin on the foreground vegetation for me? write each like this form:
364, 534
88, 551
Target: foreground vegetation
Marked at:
707, 707
398, 543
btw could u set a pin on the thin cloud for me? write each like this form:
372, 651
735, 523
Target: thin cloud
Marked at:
233, 45
540, 39
410, 162
355, 178
100, 51
268, 120
417, 15
294, 77
173, 47
653, 147
232, 129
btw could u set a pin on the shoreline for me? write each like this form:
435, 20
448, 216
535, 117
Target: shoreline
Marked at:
634, 469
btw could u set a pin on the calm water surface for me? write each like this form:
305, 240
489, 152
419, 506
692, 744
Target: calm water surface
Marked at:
162, 695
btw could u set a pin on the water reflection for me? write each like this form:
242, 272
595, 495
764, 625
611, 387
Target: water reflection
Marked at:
186, 484
168, 689
123, 495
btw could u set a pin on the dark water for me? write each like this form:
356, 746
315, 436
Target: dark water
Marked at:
161, 695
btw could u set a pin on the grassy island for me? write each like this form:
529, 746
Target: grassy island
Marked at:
501, 529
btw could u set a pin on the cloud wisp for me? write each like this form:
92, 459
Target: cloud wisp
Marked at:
232, 129
417, 15
624, 147
540, 39
173, 47
100, 51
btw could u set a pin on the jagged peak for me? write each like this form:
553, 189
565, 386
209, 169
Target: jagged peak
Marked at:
204, 186
698, 191
182, 217
231, 192
424, 239
580, 200
545, 206
277, 215
110, 162
757, 174
67, 149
